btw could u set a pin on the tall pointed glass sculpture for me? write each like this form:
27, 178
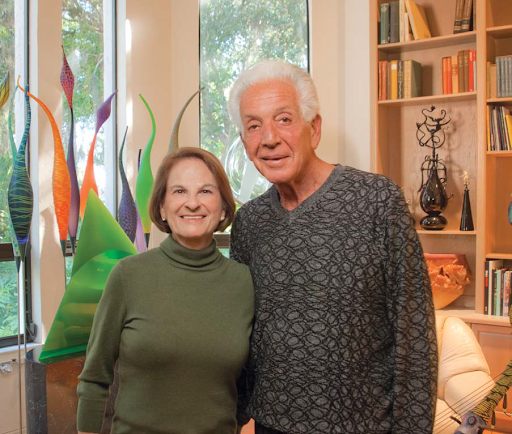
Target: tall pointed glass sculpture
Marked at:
20, 196
173, 143
67, 81
466, 218
89, 182
61, 185
102, 244
145, 178
5, 88
140, 239
127, 215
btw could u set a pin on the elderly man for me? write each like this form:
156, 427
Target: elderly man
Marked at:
344, 335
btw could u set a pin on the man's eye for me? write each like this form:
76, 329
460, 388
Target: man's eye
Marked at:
285, 120
252, 127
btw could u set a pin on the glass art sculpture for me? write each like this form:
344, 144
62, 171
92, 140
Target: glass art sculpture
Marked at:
145, 178
466, 217
14, 151
5, 88
89, 182
140, 238
127, 215
67, 80
102, 244
20, 196
61, 184
173, 143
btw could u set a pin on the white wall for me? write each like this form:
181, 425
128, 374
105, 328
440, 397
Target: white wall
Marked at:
340, 67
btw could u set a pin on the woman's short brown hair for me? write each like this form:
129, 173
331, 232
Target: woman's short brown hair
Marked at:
160, 185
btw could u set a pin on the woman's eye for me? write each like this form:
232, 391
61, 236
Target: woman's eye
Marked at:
206, 191
178, 191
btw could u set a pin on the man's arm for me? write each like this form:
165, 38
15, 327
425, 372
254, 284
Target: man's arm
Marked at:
411, 312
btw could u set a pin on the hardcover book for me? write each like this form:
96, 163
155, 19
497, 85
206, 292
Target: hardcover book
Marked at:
418, 19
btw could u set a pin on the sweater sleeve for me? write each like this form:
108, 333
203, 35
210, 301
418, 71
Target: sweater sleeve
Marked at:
238, 239
102, 353
411, 313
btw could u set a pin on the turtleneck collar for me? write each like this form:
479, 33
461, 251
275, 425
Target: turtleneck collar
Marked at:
184, 257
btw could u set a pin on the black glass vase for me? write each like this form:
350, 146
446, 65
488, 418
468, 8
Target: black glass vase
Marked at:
433, 201
466, 218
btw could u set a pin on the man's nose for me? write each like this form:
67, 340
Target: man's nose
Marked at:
270, 136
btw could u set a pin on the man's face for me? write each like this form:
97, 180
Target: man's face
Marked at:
276, 138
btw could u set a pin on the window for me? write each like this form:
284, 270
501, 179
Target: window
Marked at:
12, 60
233, 35
88, 38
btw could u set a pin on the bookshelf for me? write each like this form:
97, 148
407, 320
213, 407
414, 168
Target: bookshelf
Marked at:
396, 153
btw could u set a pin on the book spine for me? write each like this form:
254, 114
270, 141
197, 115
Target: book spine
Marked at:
384, 23
466, 16
416, 82
506, 304
445, 74
394, 79
487, 116
407, 79
455, 74
509, 75
400, 79
394, 28
499, 74
471, 66
380, 80
388, 81
384, 80
459, 9
460, 62
493, 84
401, 21
486, 288
466, 70
508, 120
407, 25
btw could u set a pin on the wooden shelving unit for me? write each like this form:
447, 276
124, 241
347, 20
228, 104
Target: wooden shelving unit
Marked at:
397, 154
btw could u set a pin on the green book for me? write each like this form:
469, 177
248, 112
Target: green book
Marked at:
384, 23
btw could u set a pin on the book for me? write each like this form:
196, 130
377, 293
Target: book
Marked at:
460, 62
418, 19
472, 70
487, 119
447, 75
486, 287
491, 266
400, 79
394, 23
466, 16
493, 88
412, 79
457, 22
384, 82
506, 292
401, 19
384, 23
393, 79
508, 120
407, 30
455, 74
465, 59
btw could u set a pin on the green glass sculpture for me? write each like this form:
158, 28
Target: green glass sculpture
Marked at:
102, 244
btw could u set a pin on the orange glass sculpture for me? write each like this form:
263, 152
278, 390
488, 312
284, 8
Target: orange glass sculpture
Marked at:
449, 274
61, 184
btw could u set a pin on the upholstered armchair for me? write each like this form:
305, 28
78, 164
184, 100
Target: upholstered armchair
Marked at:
463, 372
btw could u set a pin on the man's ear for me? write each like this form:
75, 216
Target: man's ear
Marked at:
245, 146
316, 131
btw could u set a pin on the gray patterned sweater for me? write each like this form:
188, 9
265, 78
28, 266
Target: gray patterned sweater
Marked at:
344, 336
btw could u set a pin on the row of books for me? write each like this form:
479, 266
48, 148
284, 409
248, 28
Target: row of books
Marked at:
499, 128
497, 288
402, 21
499, 77
464, 16
459, 72
399, 79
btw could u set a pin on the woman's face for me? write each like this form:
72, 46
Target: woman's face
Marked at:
192, 205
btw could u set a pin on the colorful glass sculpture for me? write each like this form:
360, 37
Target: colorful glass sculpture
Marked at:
14, 151
89, 182
510, 212
145, 178
173, 143
102, 244
67, 80
4, 90
127, 215
61, 184
20, 196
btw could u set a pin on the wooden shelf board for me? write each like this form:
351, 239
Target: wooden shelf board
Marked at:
469, 315
499, 154
500, 32
499, 100
429, 43
445, 232
466, 96
499, 256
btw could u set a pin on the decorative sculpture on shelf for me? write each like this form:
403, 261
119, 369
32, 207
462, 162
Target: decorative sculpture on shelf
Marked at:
127, 211
145, 178
67, 81
89, 182
466, 218
433, 197
61, 184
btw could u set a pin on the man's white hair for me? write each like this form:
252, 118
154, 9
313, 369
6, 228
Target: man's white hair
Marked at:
271, 70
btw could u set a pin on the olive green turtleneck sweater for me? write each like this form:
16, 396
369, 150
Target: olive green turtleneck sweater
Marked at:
179, 322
